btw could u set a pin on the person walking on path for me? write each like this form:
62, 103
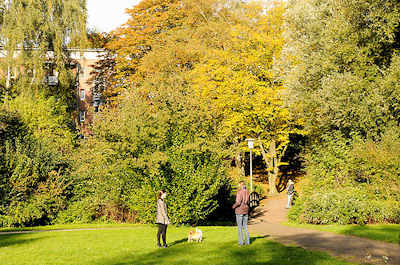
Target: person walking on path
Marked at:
162, 218
290, 192
241, 207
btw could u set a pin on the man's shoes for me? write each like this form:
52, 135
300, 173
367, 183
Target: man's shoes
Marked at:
165, 246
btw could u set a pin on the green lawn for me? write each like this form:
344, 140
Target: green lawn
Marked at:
382, 232
136, 245
66, 226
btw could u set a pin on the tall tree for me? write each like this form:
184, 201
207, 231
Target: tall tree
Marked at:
148, 20
339, 53
238, 85
32, 28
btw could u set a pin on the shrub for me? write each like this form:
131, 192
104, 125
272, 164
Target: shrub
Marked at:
193, 181
82, 211
36, 183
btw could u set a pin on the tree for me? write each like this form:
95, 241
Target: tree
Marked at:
341, 68
237, 84
30, 29
39, 138
339, 53
148, 20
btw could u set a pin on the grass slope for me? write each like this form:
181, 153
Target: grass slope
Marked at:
136, 245
382, 232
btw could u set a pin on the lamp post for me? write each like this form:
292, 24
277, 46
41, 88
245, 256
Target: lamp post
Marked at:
250, 143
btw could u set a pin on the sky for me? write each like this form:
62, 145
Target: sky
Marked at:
105, 15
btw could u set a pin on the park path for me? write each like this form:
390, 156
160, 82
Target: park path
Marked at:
268, 218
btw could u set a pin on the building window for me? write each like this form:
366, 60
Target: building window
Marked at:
82, 71
82, 94
82, 116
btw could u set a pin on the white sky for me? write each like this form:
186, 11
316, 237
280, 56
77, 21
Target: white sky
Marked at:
106, 15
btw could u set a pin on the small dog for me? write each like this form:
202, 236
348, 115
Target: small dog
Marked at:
195, 236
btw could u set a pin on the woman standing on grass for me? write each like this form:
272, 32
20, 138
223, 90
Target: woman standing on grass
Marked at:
241, 208
162, 218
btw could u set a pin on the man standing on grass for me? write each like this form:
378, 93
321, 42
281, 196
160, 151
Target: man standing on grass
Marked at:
241, 207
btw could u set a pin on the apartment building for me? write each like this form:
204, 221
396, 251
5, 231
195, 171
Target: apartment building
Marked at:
88, 97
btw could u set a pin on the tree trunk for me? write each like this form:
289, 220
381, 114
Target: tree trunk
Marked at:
242, 165
268, 159
274, 174
239, 161
8, 80
239, 164
272, 160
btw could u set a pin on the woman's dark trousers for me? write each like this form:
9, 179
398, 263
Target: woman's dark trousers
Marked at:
162, 230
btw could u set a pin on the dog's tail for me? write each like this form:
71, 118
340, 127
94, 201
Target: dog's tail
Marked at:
199, 231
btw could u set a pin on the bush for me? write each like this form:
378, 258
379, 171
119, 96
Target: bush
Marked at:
345, 206
80, 212
35, 144
194, 181
36, 185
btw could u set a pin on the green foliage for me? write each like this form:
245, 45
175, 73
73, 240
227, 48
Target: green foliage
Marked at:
35, 183
345, 206
46, 117
260, 190
352, 182
35, 143
342, 70
140, 148
44, 26
80, 212
338, 54
196, 182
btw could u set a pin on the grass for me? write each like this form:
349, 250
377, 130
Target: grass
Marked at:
381, 232
64, 226
136, 245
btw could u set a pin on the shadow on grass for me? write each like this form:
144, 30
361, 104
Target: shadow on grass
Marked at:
255, 238
15, 239
177, 242
260, 251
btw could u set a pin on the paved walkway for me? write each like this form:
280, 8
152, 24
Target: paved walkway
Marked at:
267, 221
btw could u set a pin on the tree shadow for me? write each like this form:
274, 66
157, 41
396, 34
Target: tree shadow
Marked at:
7, 240
257, 212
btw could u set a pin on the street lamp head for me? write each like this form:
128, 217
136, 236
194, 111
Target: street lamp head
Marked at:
250, 143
